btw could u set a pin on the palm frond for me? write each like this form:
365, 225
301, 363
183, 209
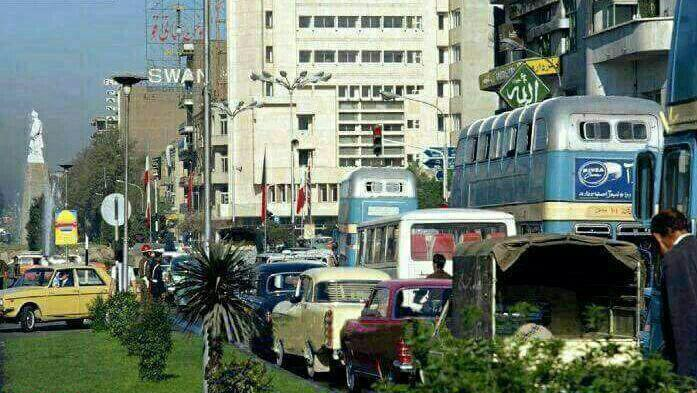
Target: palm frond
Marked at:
212, 285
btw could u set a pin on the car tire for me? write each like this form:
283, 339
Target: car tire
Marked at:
353, 380
279, 351
309, 356
76, 323
27, 319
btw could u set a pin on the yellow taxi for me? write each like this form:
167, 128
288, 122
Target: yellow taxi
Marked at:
48, 294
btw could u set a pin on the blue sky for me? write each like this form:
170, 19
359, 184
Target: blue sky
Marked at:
54, 55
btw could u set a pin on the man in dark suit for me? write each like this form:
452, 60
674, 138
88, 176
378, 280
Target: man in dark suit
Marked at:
670, 228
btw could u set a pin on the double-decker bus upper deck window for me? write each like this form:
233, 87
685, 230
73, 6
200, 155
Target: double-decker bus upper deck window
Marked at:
373, 186
675, 184
524, 138
483, 147
631, 131
683, 67
471, 150
495, 148
509, 146
595, 131
540, 135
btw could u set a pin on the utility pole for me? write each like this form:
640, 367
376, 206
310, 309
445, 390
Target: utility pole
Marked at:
207, 125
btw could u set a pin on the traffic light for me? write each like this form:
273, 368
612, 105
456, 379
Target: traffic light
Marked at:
377, 140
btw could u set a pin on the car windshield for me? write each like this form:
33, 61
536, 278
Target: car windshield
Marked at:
34, 278
282, 282
421, 302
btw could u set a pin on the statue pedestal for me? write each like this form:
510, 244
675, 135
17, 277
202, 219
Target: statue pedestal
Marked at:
35, 185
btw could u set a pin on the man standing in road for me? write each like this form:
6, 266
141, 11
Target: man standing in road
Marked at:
439, 268
157, 285
670, 228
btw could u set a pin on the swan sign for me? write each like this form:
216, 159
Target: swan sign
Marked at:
524, 88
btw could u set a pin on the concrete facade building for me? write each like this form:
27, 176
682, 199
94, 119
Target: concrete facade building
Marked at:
606, 47
406, 47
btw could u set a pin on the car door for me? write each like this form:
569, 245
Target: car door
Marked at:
367, 336
63, 299
294, 331
90, 287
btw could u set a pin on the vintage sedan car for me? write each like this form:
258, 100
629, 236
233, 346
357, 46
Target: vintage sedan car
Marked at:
275, 282
373, 345
39, 295
309, 324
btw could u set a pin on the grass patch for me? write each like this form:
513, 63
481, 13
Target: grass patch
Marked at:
86, 362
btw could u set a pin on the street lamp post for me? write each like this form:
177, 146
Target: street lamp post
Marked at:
388, 96
302, 80
239, 108
126, 81
515, 45
66, 170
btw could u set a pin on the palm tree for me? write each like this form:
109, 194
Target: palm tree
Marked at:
211, 286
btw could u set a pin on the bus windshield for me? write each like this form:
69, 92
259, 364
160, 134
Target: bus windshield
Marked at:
430, 239
683, 67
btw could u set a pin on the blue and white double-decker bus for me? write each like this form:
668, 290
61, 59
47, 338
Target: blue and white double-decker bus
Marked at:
368, 194
565, 165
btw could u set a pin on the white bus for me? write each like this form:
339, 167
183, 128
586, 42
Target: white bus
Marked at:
404, 245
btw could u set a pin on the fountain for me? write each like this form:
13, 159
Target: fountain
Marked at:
51, 195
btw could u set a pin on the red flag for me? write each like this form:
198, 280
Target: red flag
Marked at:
263, 191
302, 196
146, 184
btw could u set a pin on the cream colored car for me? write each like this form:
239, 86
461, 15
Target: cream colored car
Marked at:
309, 325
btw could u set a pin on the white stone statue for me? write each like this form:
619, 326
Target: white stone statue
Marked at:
36, 140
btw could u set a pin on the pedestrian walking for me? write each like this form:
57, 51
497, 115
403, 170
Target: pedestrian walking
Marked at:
670, 228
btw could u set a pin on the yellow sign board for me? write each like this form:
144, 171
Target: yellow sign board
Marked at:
66, 228
500, 75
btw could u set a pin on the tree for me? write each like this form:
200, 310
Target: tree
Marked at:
35, 231
212, 284
429, 191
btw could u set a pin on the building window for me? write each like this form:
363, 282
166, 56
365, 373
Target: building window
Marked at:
223, 124
441, 122
348, 162
324, 56
224, 199
442, 55
324, 21
365, 91
413, 22
392, 127
348, 56
305, 122
370, 56
457, 122
393, 56
223, 165
269, 54
395, 22
456, 87
370, 22
348, 21
304, 157
376, 91
414, 57
269, 19
305, 56
456, 53
441, 88
442, 16
455, 18
304, 21
354, 90
268, 89
343, 91
413, 124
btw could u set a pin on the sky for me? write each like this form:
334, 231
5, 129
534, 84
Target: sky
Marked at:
54, 56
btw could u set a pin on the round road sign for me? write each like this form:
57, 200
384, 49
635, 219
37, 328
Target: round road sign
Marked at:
113, 209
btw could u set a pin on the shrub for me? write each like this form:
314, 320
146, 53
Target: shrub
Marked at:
122, 311
98, 312
468, 365
151, 340
240, 376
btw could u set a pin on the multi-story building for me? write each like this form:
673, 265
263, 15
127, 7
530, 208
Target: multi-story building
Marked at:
605, 47
399, 46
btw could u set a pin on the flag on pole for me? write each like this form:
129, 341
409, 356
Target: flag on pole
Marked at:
146, 184
263, 190
302, 195
308, 180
